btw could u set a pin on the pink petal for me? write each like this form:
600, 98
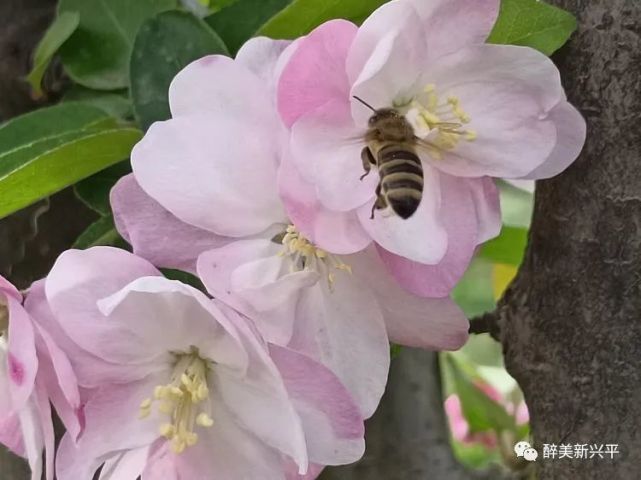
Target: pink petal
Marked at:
228, 451
254, 278
391, 20
315, 74
334, 231
291, 471
326, 149
127, 465
158, 316
471, 20
90, 370
332, 422
46, 425
400, 50
488, 207
458, 425
33, 435
11, 435
570, 134
219, 85
9, 289
259, 401
458, 215
154, 233
216, 171
343, 328
434, 323
112, 426
421, 238
508, 93
262, 55
78, 280
22, 362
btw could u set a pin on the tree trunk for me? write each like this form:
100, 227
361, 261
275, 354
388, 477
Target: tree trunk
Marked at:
571, 322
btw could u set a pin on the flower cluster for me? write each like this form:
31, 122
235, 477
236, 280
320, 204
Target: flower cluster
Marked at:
328, 192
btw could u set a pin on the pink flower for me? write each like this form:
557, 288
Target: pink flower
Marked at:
460, 427
180, 386
33, 373
298, 295
478, 111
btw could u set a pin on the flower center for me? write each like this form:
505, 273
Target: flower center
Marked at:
439, 121
183, 401
306, 256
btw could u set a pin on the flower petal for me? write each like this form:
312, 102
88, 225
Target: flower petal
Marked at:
11, 435
159, 316
126, 465
434, 323
458, 215
487, 201
454, 24
334, 231
342, 327
262, 55
326, 150
570, 134
219, 85
315, 73
112, 426
216, 172
421, 238
332, 422
154, 233
252, 277
22, 361
507, 92
80, 278
228, 451
258, 400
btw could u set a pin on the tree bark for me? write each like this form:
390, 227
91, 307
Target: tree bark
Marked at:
570, 323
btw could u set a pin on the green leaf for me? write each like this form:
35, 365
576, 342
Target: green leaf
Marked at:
57, 34
94, 191
475, 455
516, 205
164, 46
533, 23
474, 292
239, 22
481, 412
97, 54
115, 103
50, 149
101, 232
302, 16
508, 247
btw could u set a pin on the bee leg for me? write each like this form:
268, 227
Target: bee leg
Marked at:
380, 202
368, 160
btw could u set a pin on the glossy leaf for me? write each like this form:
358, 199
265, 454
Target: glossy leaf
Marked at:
474, 292
100, 233
302, 16
97, 54
508, 247
50, 149
94, 191
57, 34
115, 103
533, 23
239, 22
165, 45
516, 205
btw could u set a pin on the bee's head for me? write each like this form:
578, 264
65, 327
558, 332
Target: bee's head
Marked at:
383, 114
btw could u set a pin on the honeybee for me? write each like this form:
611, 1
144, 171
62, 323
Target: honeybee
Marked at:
391, 148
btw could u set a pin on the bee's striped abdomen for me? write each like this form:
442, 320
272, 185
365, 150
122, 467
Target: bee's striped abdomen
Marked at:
401, 176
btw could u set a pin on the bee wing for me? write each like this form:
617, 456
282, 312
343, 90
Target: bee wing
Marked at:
428, 148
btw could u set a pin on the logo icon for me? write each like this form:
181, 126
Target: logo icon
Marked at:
525, 450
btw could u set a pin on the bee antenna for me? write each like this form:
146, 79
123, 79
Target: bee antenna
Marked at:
365, 103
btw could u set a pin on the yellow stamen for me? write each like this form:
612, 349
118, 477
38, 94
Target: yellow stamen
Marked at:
306, 256
428, 113
183, 400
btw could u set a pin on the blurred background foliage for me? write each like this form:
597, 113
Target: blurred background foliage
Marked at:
120, 57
